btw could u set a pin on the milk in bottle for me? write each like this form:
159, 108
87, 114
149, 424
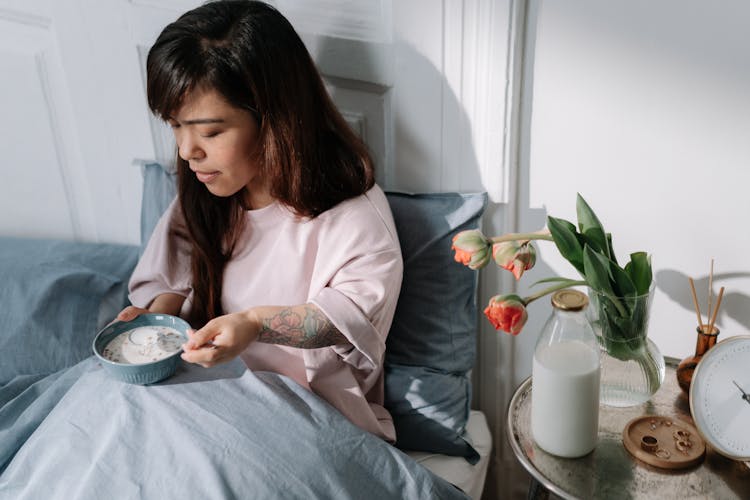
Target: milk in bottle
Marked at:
565, 380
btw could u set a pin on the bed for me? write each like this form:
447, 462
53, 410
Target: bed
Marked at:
68, 430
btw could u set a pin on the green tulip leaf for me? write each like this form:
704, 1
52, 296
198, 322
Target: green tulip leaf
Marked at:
623, 285
593, 242
597, 240
596, 267
639, 270
625, 328
586, 217
611, 248
568, 224
590, 226
557, 279
564, 235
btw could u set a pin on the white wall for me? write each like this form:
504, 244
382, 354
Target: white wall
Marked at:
643, 108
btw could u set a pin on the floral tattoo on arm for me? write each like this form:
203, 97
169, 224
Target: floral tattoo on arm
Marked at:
304, 326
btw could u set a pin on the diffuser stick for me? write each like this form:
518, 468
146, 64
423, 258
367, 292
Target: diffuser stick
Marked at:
716, 311
695, 302
710, 290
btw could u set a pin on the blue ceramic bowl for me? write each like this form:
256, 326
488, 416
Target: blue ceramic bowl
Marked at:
144, 373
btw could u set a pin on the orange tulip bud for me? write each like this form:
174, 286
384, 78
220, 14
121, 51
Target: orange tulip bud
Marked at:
507, 313
514, 257
472, 248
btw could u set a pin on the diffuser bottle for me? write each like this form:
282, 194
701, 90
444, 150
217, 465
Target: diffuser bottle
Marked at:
685, 369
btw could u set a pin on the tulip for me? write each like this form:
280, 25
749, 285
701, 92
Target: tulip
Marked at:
514, 256
472, 248
507, 313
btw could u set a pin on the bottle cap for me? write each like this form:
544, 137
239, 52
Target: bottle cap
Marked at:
570, 300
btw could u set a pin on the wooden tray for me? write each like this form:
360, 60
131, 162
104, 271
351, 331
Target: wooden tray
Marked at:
663, 442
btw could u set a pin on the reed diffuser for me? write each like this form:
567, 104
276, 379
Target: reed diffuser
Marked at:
707, 333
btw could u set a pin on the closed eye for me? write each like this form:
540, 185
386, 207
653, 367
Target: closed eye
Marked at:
210, 134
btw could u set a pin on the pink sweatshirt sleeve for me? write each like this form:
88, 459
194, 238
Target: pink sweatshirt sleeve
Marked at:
164, 266
360, 258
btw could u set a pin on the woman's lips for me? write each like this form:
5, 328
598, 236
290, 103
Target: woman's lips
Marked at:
206, 177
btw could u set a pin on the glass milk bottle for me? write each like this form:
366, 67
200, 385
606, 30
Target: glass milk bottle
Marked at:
565, 380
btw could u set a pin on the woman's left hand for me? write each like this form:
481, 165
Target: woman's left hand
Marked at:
221, 340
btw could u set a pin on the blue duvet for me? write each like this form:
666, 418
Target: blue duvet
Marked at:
220, 433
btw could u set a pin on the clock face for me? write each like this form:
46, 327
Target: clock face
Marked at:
720, 397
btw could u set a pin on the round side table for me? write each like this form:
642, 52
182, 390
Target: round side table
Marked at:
610, 472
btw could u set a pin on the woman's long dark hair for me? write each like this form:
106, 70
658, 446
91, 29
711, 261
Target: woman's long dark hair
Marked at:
250, 54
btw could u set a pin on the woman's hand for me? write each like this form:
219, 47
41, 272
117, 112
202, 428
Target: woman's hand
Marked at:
166, 303
221, 340
130, 313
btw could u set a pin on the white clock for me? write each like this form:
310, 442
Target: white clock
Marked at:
720, 397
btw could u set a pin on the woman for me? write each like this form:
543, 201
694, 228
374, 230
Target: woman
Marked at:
279, 246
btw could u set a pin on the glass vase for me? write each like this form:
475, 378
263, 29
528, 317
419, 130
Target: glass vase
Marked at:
706, 340
632, 367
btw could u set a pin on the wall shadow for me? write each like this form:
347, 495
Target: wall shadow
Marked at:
734, 305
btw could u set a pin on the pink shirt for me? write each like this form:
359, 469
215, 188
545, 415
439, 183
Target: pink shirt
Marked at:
347, 261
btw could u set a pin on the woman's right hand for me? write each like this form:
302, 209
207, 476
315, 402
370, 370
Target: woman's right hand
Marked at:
130, 313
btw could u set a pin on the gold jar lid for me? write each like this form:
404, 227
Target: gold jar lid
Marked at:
570, 300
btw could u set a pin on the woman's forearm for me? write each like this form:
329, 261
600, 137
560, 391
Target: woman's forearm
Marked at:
304, 326
167, 303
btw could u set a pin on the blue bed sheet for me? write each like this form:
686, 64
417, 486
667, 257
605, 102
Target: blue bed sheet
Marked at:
221, 433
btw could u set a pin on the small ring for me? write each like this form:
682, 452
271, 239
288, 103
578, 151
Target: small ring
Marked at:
683, 446
649, 443
680, 434
662, 453
668, 423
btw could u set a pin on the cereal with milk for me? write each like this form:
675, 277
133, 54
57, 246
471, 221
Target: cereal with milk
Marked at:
144, 344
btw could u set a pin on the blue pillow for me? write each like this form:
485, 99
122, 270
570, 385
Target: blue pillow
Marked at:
56, 295
431, 347
159, 189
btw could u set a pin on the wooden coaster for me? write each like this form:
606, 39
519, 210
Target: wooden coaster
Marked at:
663, 442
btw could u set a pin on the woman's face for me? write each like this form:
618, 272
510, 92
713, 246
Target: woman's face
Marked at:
218, 141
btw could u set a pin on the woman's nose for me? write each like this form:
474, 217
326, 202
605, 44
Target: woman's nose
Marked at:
189, 149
